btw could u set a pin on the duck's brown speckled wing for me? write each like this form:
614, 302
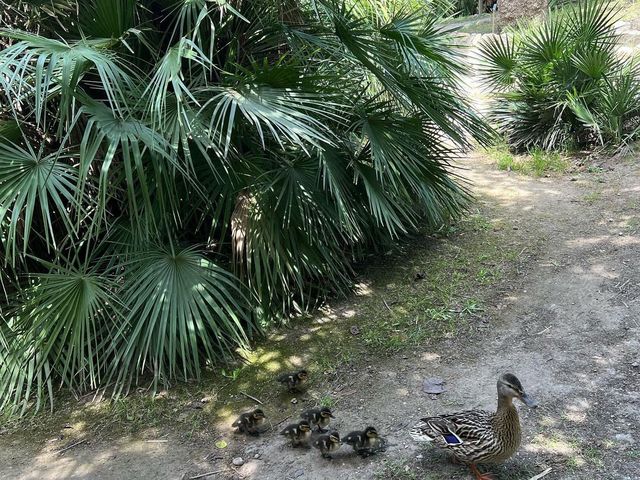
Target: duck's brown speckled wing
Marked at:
468, 435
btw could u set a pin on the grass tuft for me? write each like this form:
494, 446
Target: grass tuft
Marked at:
535, 163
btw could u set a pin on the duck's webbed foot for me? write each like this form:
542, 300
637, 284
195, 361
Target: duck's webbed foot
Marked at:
479, 475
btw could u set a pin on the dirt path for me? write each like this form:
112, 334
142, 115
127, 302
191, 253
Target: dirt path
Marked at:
567, 323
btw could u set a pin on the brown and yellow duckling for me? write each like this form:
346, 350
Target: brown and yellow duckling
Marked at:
299, 433
293, 380
365, 442
477, 436
321, 417
250, 422
327, 444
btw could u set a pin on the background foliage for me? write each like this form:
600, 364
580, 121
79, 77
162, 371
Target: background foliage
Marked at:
563, 82
175, 175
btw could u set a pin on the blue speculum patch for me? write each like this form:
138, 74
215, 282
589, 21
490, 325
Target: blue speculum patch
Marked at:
452, 439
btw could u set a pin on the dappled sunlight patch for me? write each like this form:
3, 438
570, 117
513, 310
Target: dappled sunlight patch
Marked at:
348, 313
548, 421
577, 412
552, 444
363, 289
602, 361
296, 360
619, 240
580, 242
430, 357
402, 392
249, 469
272, 366
267, 357
625, 241
225, 411
326, 318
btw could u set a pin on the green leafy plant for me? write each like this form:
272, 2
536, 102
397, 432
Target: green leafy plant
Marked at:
177, 175
561, 83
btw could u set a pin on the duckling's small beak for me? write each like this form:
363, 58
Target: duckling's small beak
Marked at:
331, 415
528, 401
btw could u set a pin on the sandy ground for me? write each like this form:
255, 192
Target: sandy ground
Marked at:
567, 323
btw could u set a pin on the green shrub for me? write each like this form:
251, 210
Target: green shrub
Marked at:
561, 83
174, 175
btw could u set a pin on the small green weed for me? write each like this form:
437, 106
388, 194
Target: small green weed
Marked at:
471, 306
327, 401
232, 374
632, 226
592, 197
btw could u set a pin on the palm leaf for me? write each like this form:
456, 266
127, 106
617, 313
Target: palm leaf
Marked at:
61, 326
33, 181
499, 61
183, 310
39, 68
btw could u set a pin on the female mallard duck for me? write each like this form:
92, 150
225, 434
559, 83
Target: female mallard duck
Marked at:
476, 436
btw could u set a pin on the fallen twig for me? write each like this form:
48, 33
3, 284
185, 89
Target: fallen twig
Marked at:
156, 441
281, 422
540, 475
72, 445
387, 305
252, 398
541, 332
202, 475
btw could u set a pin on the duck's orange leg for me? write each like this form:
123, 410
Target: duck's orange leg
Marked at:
478, 475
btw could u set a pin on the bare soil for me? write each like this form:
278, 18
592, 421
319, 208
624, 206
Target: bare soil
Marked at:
565, 320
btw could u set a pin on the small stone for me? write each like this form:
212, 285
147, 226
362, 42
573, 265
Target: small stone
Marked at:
298, 473
257, 456
205, 400
620, 234
238, 462
516, 228
573, 179
294, 400
610, 220
635, 365
419, 457
354, 330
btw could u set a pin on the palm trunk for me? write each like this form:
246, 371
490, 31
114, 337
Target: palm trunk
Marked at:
239, 227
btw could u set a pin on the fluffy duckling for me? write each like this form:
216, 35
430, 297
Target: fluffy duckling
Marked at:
293, 380
249, 422
365, 442
299, 433
327, 444
319, 417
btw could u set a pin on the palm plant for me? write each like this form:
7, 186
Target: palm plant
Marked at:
563, 83
175, 174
